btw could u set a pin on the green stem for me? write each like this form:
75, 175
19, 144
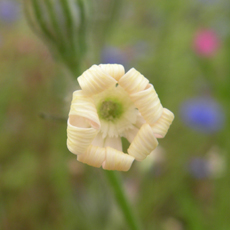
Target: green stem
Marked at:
116, 184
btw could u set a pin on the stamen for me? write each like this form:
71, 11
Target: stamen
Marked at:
110, 110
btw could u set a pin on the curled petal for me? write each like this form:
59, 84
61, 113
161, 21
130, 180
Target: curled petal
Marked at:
148, 104
116, 160
93, 156
83, 106
143, 143
114, 70
95, 80
160, 128
79, 138
133, 81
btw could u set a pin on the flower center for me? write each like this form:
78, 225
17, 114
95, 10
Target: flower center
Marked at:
110, 110
116, 111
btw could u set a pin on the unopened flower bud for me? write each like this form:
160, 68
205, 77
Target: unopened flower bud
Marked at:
62, 25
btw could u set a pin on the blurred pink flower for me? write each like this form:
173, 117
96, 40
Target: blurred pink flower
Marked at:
206, 42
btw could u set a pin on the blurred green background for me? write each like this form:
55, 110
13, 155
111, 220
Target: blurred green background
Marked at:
183, 48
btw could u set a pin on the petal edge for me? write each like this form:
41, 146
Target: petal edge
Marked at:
133, 81
116, 160
95, 80
79, 139
161, 127
143, 143
93, 156
148, 104
83, 106
114, 70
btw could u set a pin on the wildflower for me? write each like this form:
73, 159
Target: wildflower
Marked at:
111, 105
9, 10
206, 43
202, 114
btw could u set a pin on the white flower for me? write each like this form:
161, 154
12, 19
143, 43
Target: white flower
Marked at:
111, 105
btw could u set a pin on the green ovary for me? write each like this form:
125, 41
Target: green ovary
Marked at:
110, 109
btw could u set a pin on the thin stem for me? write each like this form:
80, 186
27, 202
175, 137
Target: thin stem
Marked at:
116, 184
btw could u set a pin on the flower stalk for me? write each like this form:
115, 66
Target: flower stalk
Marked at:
116, 184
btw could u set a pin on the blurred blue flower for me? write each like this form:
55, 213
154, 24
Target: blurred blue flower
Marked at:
202, 114
198, 168
113, 55
9, 10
